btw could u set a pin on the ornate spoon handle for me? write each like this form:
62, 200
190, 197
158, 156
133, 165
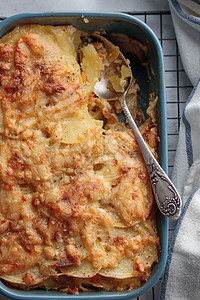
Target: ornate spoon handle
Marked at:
167, 197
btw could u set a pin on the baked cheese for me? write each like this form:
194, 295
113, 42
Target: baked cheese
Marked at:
76, 203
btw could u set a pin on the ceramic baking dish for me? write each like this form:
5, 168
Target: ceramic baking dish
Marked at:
131, 26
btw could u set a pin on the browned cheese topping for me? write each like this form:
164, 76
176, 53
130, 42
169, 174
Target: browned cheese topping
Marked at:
76, 204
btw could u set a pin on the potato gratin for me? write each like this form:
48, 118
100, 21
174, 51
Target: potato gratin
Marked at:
76, 203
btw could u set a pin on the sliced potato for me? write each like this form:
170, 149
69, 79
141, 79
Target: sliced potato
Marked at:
76, 126
123, 270
84, 270
92, 65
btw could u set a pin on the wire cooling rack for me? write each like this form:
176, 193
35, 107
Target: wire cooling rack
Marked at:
178, 88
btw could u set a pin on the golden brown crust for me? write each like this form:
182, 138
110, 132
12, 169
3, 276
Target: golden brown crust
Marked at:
75, 198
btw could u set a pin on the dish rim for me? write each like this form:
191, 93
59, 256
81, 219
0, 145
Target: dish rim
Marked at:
13, 21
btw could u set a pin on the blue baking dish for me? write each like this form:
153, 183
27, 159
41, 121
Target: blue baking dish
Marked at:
131, 26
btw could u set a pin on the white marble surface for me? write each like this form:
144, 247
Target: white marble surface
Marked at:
11, 7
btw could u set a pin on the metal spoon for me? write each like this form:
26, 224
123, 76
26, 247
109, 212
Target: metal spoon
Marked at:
167, 197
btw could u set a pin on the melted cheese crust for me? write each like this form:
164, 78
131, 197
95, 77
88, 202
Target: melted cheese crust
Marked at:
75, 198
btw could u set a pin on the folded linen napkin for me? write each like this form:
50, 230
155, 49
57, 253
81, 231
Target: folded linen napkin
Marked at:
181, 280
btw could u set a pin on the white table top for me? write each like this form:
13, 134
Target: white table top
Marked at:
11, 7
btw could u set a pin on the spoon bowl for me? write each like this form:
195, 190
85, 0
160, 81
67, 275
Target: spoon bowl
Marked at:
166, 195
101, 88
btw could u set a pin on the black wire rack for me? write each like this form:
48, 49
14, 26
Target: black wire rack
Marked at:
178, 88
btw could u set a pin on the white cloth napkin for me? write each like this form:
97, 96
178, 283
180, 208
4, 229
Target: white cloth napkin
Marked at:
181, 280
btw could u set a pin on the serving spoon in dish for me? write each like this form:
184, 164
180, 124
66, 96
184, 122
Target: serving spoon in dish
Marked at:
167, 197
